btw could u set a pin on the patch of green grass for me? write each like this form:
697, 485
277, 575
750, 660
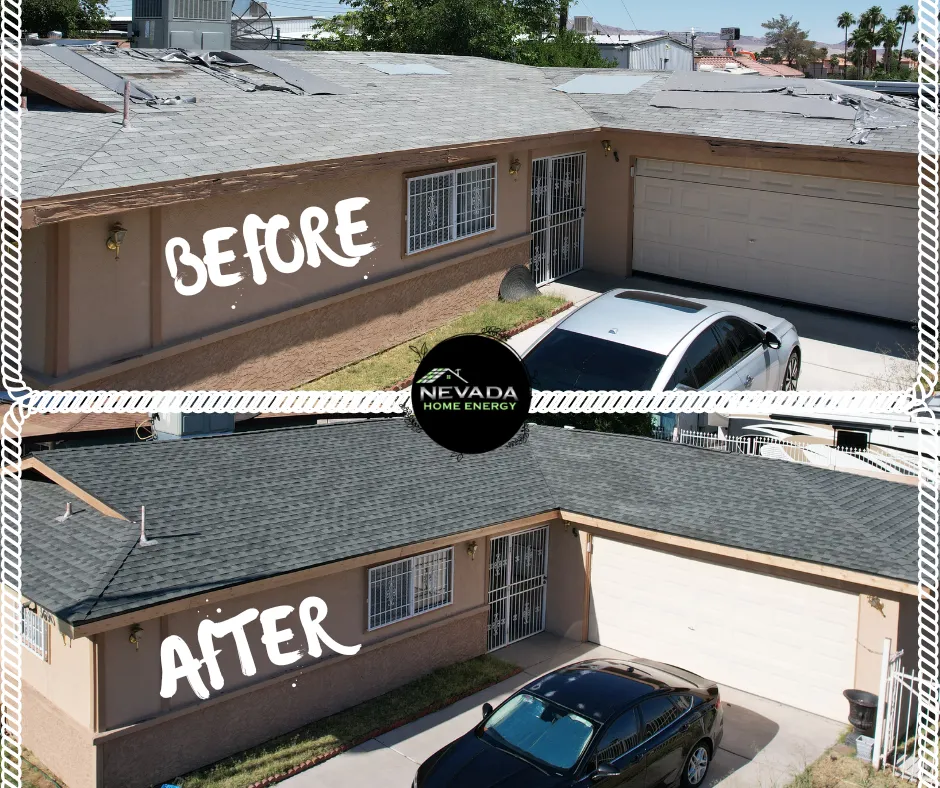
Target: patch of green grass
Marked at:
351, 726
392, 366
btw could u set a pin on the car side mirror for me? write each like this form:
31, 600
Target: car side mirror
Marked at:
771, 341
487, 710
603, 771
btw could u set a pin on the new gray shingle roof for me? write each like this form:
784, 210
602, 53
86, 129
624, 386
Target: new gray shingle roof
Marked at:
229, 510
227, 130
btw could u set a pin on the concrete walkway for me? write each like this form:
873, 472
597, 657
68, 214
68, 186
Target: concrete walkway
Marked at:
765, 743
841, 352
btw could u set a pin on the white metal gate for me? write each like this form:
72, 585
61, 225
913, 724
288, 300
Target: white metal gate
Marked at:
518, 574
905, 736
557, 225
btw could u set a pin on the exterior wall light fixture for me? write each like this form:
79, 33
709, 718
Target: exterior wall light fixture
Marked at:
135, 628
116, 237
607, 146
472, 550
514, 166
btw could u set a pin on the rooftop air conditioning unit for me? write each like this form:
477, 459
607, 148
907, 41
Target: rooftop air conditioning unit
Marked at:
583, 24
173, 426
194, 25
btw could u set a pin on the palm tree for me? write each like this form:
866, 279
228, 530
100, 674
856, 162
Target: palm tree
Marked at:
845, 21
871, 20
889, 34
904, 17
861, 47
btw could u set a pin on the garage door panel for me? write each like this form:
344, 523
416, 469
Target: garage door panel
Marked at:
782, 280
792, 642
884, 223
787, 183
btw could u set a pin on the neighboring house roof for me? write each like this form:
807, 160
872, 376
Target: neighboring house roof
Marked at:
227, 129
239, 508
762, 69
625, 39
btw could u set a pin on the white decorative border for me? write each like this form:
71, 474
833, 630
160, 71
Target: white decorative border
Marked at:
373, 402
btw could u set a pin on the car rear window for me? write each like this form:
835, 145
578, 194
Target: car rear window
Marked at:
565, 360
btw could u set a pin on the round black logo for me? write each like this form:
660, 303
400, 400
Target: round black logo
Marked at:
471, 393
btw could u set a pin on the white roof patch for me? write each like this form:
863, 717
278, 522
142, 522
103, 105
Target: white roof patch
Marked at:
609, 85
406, 68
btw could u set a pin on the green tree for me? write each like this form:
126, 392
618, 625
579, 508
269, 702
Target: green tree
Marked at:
564, 49
845, 20
905, 17
516, 30
786, 36
770, 53
889, 34
70, 17
861, 43
871, 20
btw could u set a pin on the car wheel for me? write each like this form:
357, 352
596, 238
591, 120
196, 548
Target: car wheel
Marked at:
791, 373
696, 766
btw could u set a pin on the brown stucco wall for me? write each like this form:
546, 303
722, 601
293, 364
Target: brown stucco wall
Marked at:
66, 678
60, 743
878, 618
34, 268
295, 350
565, 603
165, 750
130, 677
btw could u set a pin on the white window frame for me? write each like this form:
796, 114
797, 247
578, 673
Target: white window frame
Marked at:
443, 561
487, 170
34, 633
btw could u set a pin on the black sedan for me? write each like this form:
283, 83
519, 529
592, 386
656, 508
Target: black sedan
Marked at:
605, 723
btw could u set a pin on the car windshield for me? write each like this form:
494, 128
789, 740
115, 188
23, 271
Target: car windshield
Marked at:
537, 729
566, 361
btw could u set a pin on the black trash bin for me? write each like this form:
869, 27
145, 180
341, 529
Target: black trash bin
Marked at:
862, 709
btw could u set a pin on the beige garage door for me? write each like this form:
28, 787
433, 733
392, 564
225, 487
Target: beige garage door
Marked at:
826, 241
792, 642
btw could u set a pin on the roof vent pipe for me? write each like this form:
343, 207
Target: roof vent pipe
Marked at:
127, 105
144, 541
68, 513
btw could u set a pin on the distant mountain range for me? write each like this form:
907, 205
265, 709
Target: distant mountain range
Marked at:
707, 39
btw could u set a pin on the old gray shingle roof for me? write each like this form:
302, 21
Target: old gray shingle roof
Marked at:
229, 510
227, 130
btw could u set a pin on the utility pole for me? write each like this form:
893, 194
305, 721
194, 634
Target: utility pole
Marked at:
693, 48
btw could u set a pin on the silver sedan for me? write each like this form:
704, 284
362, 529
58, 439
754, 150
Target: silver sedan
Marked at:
634, 340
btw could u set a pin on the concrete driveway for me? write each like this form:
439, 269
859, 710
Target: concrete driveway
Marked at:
765, 743
841, 351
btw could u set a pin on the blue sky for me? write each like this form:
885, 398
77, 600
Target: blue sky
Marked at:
816, 16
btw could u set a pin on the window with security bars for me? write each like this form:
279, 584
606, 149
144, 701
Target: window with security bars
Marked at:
448, 206
35, 633
209, 10
405, 588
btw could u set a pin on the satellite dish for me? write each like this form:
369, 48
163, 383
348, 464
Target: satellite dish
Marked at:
252, 26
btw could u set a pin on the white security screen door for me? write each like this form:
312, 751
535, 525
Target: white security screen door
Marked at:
557, 225
518, 574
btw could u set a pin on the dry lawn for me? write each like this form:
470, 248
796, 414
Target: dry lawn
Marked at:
840, 768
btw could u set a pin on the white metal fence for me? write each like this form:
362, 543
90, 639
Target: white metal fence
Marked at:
897, 747
873, 458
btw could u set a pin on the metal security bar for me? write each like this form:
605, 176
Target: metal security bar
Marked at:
874, 458
447, 206
208, 10
518, 580
898, 746
405, 588
35, 634
557, 224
